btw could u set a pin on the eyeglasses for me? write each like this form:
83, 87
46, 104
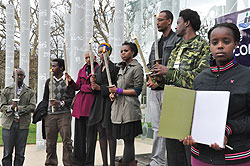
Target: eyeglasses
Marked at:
161, 19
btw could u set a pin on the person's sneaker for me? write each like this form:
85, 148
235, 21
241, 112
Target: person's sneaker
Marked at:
148, 164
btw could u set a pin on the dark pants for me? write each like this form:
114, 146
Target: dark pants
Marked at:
54, 124
91, 144
79, 152
17, 138
177, 153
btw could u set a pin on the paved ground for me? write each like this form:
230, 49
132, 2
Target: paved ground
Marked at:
37, 158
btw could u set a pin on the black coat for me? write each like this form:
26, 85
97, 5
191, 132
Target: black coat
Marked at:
101, 108
39, 113
236, 80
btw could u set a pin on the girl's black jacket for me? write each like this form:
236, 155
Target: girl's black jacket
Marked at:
236, 79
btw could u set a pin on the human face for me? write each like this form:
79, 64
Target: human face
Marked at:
163, 23
222, 45
20, 76
87, 58
180, 27
101, 53
126, 54
56, 69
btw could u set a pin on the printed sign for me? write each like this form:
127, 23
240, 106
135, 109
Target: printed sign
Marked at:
242, 20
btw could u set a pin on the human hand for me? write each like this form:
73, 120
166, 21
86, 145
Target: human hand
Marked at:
159, 70
189, 140
14, 105
112, 89
217, 147
112, 96
54, 102
67, 76
152, 85
95, 86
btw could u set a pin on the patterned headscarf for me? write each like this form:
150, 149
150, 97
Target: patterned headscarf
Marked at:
108, 47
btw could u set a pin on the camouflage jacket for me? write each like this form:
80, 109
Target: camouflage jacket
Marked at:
186, 61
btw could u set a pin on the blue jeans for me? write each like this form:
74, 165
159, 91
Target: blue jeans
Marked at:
14, 137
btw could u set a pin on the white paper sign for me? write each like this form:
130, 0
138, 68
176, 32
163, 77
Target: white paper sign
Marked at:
210, 115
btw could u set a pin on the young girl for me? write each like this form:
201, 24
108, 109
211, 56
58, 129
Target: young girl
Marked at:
225, 74
126, 112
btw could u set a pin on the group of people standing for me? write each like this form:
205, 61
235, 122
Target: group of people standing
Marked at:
107, 103
193, 63
112, 111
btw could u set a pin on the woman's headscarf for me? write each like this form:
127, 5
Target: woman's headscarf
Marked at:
107, 47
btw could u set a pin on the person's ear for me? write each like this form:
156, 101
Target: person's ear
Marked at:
187, 23
169, 21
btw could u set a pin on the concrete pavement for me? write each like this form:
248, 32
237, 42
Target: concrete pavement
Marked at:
37, 158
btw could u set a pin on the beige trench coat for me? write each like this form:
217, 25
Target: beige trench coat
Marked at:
127, 108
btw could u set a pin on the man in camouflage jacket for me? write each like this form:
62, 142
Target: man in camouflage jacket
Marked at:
187, 59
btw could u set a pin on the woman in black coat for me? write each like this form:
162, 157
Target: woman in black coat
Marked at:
100, 113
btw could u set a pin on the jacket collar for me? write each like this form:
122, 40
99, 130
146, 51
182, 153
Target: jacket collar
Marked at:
216, 69
134, 62
189, 43
168, 36
24, 88
83, 71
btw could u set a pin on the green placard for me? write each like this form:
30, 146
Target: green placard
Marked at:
177, 112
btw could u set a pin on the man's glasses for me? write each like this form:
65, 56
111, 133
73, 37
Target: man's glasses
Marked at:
161, 19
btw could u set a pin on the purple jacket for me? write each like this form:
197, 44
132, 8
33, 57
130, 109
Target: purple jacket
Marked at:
84, 97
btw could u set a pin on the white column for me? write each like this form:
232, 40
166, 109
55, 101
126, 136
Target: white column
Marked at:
111, 38
77, 37
24, 39
78, 45
43, 59
9, 57
68, 38
118, 30
88, 22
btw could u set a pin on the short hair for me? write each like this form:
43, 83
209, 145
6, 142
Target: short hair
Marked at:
132, 46
60, 62
192, 16
169, 15
19, 69
232, 26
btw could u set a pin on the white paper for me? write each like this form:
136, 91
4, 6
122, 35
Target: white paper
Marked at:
209, 119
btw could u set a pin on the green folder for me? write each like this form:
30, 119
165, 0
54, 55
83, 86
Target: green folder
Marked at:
177, 112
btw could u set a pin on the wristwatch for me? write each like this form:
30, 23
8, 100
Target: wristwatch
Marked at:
62, 103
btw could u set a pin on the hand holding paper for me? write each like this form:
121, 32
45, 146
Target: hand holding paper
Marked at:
194, 116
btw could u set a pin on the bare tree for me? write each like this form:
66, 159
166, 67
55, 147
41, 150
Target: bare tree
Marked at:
103, 16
